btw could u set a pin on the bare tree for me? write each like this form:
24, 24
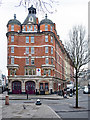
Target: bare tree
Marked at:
77, 48
40, 5
43, 6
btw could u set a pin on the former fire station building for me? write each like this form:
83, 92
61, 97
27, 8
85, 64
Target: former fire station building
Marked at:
37, 60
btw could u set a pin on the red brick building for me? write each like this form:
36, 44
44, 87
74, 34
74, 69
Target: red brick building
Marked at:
35, 56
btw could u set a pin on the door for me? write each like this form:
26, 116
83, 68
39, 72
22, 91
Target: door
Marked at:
30, 87
16, 87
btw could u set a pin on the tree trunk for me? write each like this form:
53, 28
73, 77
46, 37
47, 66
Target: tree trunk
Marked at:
76, 90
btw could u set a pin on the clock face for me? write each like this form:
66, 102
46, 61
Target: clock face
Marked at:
30, 19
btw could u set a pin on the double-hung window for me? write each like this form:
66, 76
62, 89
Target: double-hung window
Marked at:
32, 50
47, 61
51, 39
46, 49
46, 27
46, 86
12, 38
12, 60
12, 27
34, 27
32, 61
49, 72
12, 49
27, 28
51, 50
27, 50
51, 28
32, 39
27, 39
27, 61
46, 38
31, 27
52, 61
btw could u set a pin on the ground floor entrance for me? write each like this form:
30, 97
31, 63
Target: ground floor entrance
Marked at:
16, 87
30, 87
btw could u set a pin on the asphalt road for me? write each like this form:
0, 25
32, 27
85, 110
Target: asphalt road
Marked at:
64, 107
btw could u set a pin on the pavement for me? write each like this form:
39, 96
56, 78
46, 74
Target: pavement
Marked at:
31, 110
24, 96
27, 109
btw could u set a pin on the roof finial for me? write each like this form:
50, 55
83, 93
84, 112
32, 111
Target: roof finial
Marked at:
14, 16
45, 16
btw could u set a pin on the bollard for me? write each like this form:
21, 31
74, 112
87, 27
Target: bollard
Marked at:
27, 96
7, 100
38, 102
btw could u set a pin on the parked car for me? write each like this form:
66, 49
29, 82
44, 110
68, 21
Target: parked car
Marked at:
85, 90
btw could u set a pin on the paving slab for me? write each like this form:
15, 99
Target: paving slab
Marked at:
28, 110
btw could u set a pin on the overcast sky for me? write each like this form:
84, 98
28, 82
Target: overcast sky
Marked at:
69, 13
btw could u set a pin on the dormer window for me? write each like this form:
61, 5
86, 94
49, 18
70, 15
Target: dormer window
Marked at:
30, 19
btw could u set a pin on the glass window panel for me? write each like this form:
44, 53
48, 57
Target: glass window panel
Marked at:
30, 71
51, 50
34, 27
44, 72
32, 39
32, 50
46, 86
27, 28
12, 60
46, 27
51, 39
51, 60
46, 38
12, 49
31, 27
27, 39
47, 61
27, 50
49, 72
12, 27
46, 49
27, 61
51, 28
41, 86
26, 72
32, 61
12, 38
34, 72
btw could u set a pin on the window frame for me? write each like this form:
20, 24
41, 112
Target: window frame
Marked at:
12, 60
32, 50
46, 38
32, 39
27, 61
12, 49
51, 50
47, 60
27, 50
12, 38
27, 40
32, 59
46, 49
12, 27
46, 27
51, 39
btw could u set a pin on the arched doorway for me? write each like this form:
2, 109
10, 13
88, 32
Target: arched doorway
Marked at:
30, 87
16, 87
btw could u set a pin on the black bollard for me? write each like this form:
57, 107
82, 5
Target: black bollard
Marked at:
27, 96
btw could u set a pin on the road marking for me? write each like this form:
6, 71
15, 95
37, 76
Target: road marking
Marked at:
54, 112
